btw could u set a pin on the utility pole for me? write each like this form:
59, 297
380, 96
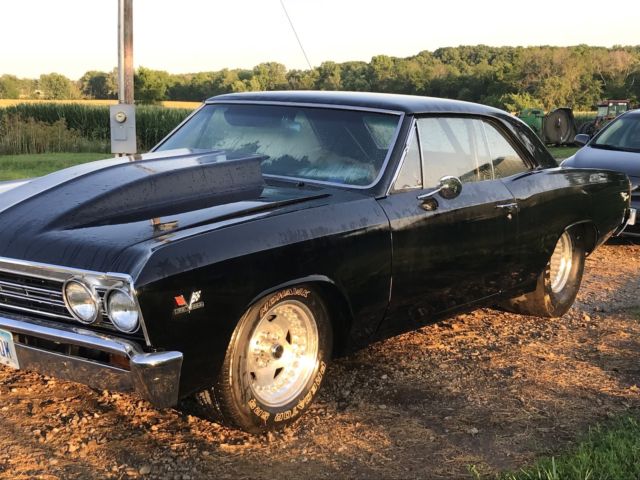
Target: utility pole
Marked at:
125, 51
123, 115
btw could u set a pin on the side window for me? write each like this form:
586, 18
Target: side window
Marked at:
505, 160
450, 147
410, 175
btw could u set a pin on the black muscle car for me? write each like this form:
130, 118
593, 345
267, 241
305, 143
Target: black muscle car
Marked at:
272, 231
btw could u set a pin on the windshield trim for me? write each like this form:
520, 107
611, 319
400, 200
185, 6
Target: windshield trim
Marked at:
337, 106
383, 168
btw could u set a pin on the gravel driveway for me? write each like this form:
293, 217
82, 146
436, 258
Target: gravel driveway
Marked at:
489, 389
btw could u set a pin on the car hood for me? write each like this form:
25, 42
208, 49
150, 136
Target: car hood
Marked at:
86, 216
589, 157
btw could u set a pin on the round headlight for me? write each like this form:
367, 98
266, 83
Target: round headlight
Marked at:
123, 311
81, 301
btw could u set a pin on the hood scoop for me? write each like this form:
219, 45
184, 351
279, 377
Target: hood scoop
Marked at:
154, 189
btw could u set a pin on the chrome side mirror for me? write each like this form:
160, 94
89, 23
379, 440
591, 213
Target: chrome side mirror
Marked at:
449, 187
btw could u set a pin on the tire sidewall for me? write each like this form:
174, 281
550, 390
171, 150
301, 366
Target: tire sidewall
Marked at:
250, 411
560, 302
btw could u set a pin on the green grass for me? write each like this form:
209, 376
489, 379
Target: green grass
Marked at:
609, 452
13, 167
560, 153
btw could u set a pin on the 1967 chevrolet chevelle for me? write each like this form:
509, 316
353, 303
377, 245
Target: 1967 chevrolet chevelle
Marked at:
272, 231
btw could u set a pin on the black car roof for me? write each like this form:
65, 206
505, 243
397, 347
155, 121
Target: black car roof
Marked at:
382, 101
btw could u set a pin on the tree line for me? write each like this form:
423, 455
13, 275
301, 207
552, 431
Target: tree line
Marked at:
506, 77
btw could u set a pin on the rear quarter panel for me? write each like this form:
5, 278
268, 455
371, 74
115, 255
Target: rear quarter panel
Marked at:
553, 199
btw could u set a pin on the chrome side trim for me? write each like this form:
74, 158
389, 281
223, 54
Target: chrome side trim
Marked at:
155, 376
61, 274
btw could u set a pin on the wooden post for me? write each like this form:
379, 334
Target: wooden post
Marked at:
123, 116
125, 52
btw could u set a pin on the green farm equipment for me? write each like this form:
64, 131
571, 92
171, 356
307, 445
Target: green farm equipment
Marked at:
557, 127
607, 111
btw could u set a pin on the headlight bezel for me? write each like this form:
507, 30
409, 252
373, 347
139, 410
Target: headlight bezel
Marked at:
93, 295
134, 304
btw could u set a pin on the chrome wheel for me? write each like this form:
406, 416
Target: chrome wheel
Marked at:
282, 353
560, 263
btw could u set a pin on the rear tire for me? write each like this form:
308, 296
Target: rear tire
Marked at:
274, 364
558, 284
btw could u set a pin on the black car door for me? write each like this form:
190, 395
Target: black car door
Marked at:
448, 252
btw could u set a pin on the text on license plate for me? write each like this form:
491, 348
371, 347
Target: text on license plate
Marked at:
8, 350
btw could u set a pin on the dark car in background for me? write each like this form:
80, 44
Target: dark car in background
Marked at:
272, 231
616, 147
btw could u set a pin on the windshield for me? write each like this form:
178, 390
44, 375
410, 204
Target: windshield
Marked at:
622, 134
331, 145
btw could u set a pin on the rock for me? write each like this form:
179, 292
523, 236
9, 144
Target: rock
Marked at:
145, 470
473, 431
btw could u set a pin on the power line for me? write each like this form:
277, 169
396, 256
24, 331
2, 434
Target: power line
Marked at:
296, 34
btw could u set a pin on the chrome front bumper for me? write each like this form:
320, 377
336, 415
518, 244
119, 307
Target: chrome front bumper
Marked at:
153, 376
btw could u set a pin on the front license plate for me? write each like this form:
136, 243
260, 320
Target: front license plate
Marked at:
8, 355
632, 217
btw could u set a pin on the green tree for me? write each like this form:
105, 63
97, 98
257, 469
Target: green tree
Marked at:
95, 84
269, 76
151, 86
302, 79
54, 86
9, 86
329, 76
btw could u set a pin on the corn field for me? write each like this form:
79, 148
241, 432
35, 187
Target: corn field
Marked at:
77, 127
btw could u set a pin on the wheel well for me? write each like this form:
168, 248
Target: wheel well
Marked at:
588, 232
339, 315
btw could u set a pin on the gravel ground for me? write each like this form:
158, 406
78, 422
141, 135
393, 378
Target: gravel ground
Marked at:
488, 389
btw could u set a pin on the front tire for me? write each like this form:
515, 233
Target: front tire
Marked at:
275, 362
559, 282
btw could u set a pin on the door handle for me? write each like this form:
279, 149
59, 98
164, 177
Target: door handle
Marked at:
508, 206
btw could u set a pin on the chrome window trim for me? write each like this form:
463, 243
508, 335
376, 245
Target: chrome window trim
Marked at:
334, 106
413, 130
383, 167
61, 274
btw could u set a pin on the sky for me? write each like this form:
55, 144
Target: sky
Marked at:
181, 36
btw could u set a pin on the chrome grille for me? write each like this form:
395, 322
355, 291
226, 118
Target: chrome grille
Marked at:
33, 295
